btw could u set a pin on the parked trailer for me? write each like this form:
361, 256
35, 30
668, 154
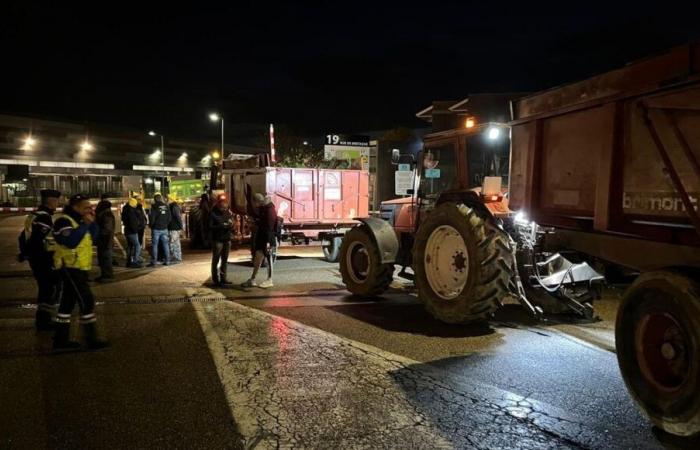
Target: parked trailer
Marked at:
316, 204
612, 163
604, 176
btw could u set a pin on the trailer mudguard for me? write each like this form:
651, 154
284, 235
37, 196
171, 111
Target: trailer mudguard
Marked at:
385, 237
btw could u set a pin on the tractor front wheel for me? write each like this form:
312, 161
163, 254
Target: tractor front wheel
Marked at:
360, 264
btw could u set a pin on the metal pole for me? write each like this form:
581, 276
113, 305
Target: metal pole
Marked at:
222, 138
162, 164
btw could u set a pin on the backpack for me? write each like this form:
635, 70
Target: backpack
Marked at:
26, 234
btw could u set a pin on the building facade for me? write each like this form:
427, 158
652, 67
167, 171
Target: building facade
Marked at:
37, 154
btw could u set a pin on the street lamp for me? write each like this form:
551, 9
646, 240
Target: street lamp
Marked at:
162, 157
214, 117
29, 142
86, 146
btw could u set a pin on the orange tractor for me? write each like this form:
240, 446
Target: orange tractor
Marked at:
604, 178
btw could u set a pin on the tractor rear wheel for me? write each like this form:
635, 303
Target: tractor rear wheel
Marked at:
360, 264
657, 337
463, 264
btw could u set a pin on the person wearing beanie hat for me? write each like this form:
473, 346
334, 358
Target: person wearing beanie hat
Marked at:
158, 220
132, 220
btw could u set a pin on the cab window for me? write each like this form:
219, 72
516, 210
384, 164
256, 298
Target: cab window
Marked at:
438, 170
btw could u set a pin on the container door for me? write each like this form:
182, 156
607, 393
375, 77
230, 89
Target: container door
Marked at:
304, 204
332, 194
351, 192
363, 195
283, 193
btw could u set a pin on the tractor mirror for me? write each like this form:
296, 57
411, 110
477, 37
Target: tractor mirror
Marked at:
395, 156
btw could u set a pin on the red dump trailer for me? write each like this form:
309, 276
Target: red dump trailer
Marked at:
316, 204
612, 165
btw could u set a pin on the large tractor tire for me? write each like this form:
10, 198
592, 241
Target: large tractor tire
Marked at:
360, 264
657, 337
463, 264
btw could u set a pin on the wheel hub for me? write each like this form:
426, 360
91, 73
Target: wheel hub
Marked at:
661, 351
358, 262
446, 262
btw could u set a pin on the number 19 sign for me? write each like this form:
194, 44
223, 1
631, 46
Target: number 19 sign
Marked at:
344, 146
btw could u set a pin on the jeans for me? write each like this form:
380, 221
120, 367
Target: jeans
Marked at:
104, 256
158, 237
219, 253
175, 249
133, 249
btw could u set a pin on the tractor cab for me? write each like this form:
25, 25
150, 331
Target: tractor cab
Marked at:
469, 162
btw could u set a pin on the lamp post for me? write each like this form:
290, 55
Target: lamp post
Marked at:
162, 157
215, 117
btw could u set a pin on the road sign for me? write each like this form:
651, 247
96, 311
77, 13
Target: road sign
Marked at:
403, 181
344, 146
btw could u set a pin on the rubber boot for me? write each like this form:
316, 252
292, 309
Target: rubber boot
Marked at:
43, 321
93, 342
60, 338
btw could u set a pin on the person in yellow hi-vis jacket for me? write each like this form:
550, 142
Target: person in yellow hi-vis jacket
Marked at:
74, 232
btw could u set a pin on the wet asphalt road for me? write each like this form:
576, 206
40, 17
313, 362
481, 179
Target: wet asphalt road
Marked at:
560, 373
343, 373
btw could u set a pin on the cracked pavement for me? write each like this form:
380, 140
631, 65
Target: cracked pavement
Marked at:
292, 386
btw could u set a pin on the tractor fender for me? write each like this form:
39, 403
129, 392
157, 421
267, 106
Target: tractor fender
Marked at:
470, 199
385, 238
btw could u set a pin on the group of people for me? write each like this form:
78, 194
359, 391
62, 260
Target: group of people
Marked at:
264, 240
59, 250
165, 221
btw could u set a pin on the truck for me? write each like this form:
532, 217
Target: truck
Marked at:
603, 179
315, 204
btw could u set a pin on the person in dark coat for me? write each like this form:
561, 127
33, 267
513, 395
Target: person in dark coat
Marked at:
37, 246
262, 209
104, 217
220, 225
132, 220
158, 220
174, 230
205, 211
143, 221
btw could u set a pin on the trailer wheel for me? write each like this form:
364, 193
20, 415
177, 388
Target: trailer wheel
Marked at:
360, 264
463, 264
657, 337
332, 250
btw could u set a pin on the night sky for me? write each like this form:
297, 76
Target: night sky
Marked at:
314, 66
